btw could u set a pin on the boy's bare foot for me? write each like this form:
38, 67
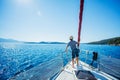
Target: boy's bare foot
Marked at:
73, 66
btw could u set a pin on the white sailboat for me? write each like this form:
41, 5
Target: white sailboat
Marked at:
82, 72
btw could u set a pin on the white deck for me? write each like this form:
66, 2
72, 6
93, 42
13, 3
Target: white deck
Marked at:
69, 73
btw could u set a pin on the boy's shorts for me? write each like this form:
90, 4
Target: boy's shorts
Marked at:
75, 53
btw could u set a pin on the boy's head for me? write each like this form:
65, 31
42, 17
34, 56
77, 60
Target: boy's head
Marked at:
71, 38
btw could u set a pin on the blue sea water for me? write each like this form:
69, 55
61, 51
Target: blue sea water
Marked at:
16, 58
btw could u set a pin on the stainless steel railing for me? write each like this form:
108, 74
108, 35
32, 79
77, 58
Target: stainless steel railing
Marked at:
103, 63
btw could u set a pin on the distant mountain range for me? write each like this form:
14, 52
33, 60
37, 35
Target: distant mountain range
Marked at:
44, 42
15, 41
111, 41
7, 40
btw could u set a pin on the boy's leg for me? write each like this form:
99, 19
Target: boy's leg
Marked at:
73, 62
73, 56
77, 60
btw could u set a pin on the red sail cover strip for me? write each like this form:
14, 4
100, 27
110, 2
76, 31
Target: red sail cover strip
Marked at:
80, 19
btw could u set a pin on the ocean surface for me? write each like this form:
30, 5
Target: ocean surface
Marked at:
46, 60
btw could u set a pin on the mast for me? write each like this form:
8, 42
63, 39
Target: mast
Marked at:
80, 19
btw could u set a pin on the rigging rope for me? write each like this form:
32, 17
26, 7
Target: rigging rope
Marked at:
80, 19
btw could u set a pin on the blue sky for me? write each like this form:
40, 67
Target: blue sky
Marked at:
56, 20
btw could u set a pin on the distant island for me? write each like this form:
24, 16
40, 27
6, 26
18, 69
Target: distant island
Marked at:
111, 41
8, 40
44, 42
15, 41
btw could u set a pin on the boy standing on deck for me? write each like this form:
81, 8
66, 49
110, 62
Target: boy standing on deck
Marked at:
75, 51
